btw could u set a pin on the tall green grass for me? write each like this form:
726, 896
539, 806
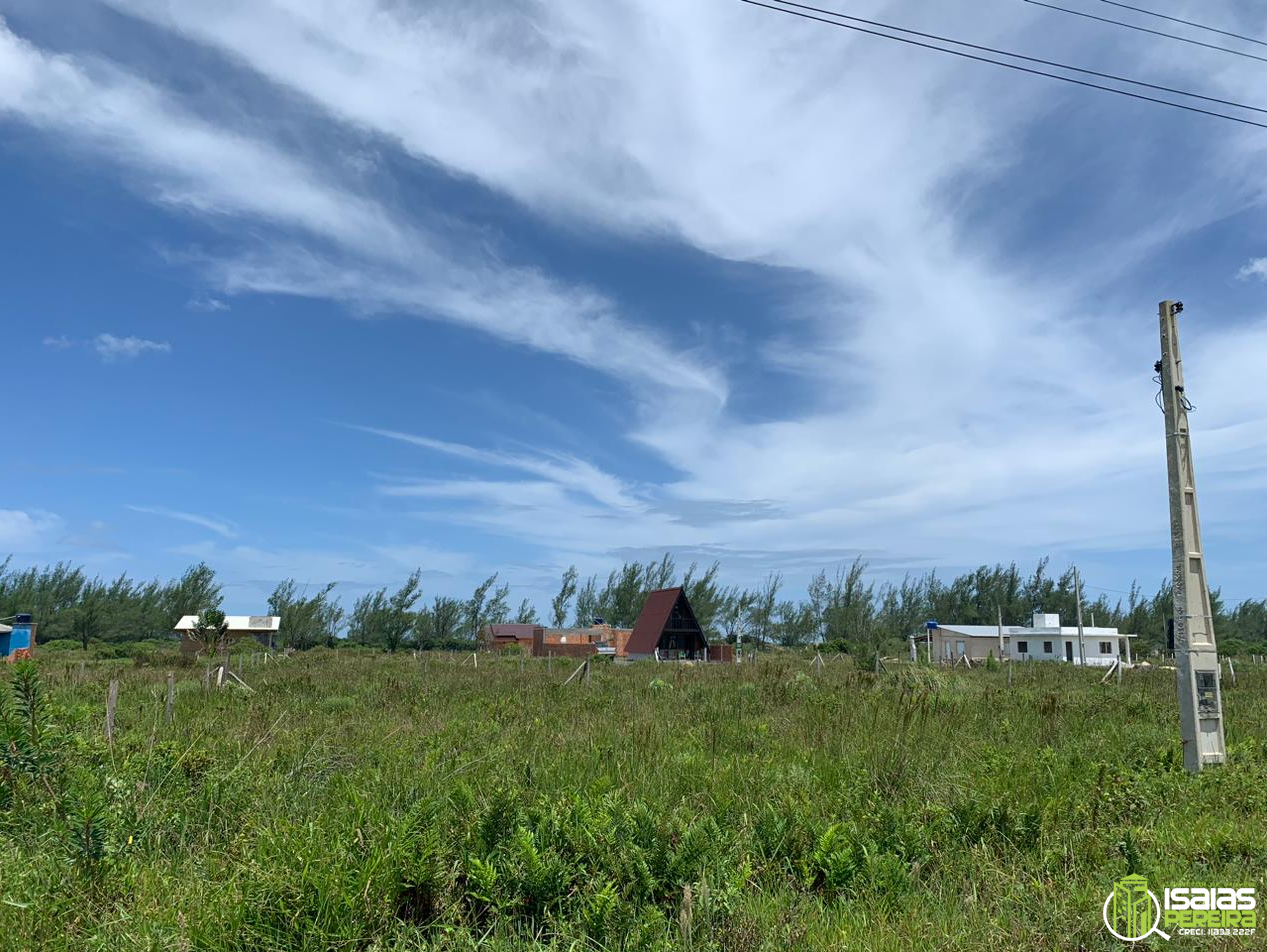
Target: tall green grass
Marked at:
361, 801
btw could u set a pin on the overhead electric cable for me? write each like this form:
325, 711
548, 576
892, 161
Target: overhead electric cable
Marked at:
1019, 56
1144, 29
1199, 26
1013, 66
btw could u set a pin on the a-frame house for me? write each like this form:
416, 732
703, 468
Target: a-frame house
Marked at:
666, 629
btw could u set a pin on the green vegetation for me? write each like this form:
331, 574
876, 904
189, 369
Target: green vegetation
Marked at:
360, 800
841, 608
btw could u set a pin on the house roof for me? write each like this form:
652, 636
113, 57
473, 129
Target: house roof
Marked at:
512, 630
236, 623
652, 619
992, 631
5, 629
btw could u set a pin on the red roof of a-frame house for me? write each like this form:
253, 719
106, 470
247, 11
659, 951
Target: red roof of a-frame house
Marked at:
654, 619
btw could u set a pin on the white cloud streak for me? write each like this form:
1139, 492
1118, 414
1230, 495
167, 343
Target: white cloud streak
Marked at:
220, 527
110, 348
394, 265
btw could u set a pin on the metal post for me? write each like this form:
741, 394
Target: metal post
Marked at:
1000, 610
1196, 655
1077, 591
169, 708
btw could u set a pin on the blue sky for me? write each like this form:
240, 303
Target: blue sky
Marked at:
333, 290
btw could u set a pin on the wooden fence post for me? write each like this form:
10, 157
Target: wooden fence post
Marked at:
112, 701
169, 709
584, 666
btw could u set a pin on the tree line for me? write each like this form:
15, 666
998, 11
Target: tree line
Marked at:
841, 608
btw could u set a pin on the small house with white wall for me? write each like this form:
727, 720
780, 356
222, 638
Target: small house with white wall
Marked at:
263, 628
1044, 640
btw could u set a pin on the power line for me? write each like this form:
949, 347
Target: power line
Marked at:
1199, 26
1144, 29
1019, 56
1227, 599
1012, 66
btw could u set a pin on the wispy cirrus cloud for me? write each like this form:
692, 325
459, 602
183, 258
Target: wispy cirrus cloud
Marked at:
566, 472
111, 348
384, 263
220, 527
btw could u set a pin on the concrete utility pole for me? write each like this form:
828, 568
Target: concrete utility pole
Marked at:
1196, 656
1077, 592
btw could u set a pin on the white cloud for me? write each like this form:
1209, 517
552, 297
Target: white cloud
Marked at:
206, 304
1254, 268
110, 348
26, 530
565, 471
221, 527
386, 263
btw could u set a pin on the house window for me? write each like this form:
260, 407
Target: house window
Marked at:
1022, 647
959, 648
1046, 647
1106, 647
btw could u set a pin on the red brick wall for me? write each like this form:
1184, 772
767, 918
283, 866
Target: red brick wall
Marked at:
569, 651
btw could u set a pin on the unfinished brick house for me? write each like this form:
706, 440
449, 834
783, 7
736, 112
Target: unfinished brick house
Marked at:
666, 630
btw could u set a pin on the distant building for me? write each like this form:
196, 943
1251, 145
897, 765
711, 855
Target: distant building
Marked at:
666, 630
1044, 640
263, 628
539, 641
17, 641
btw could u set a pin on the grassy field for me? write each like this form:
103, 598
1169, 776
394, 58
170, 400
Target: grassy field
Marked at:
366, 801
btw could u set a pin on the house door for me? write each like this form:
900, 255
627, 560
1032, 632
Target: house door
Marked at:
1069, 651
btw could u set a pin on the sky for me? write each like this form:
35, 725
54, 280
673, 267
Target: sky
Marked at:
336, 289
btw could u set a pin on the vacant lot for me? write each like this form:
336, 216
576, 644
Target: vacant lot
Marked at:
366, 801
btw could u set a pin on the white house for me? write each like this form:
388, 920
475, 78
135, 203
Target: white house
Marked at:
263, 628
1044, 640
